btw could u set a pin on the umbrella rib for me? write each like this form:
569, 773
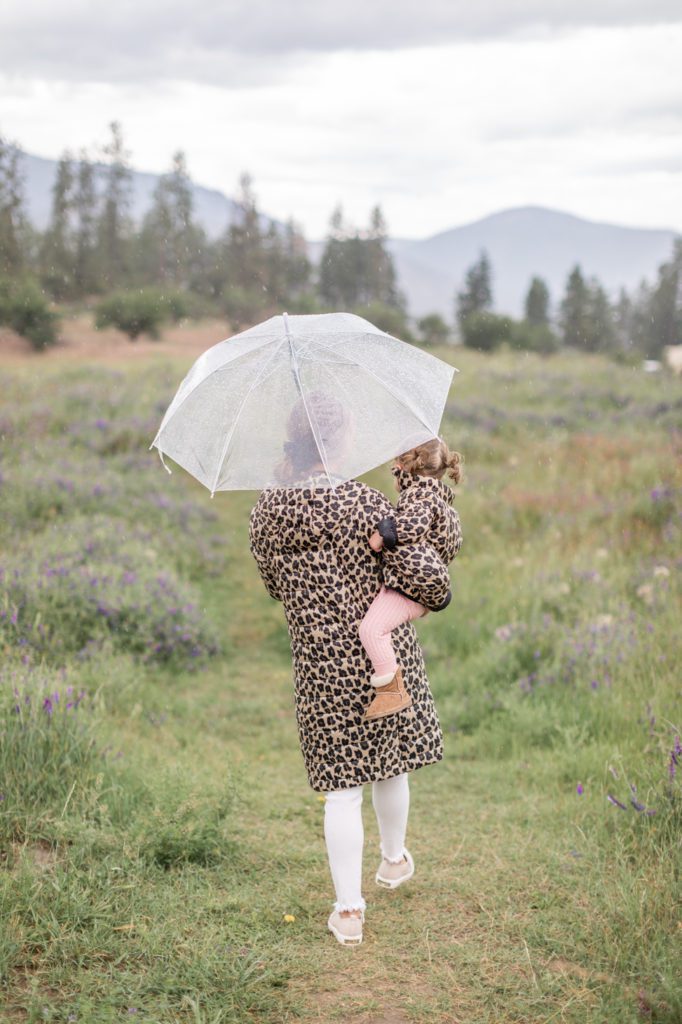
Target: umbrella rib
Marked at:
383, 383
216, 369
228, 439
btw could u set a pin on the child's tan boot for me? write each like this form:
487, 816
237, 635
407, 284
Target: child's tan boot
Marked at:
391, 696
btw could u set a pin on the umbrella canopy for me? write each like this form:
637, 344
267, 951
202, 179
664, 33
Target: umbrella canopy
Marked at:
296, 398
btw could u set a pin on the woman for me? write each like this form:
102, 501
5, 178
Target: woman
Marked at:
311, 544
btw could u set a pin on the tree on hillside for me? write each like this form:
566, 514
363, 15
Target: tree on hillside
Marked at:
356, 268
57, 249
114, 227
623, 313
85, 228
574, 310
12, 218
287, 265
381, 276
477, 294
243, 259
433, 330
665, 307
537, 303
169, 237
601, 336
586, 315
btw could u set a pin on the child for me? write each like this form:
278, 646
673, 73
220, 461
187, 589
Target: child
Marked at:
426, 521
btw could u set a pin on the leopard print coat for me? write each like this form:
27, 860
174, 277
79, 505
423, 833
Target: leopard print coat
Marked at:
312, 549
428, 527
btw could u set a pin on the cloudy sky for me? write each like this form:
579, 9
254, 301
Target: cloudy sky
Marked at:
441, 111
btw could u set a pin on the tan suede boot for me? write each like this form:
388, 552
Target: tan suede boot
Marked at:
390, 698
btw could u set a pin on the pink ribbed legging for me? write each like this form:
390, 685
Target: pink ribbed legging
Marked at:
388, 610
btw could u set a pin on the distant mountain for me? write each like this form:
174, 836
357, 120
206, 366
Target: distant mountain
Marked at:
520, 242
523, 242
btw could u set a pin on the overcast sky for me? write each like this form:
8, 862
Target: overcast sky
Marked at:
441, 111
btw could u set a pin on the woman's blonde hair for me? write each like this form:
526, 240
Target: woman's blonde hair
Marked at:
433, 458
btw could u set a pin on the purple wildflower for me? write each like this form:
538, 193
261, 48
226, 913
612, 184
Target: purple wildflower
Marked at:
579, 789
47, 706
616, 803
674, 758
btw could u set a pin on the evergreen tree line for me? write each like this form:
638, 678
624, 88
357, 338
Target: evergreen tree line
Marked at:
92, 248
167, 267
585, 318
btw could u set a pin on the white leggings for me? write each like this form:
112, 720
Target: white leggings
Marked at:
344, 834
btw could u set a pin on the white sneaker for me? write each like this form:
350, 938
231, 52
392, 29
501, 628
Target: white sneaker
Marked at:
347, 930
390, 876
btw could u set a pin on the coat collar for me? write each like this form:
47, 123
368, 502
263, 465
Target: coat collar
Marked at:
428, 484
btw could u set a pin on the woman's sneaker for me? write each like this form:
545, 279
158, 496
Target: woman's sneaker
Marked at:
390, 876
346, 928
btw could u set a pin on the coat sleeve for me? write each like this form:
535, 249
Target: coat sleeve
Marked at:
263, 550
415, 570
409, 524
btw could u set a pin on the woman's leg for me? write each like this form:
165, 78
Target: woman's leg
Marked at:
391, 799
388, 610
344, 835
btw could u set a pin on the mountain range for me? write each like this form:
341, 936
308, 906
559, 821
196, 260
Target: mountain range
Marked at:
521, 242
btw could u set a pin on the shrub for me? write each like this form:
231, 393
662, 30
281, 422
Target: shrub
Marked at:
186, 823
23, 308
134, 312
77, 586
433, 330
534, 338
486, 331
243, 306
387, 318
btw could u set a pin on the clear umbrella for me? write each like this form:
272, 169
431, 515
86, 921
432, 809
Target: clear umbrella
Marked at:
301, 398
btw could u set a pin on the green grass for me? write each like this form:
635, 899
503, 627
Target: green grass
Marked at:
152, 843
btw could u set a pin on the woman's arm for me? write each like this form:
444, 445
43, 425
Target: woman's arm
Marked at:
262, 549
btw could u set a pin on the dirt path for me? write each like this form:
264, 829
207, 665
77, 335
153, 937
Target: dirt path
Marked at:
80, 342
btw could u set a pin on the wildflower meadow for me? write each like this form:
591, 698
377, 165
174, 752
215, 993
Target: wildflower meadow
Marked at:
161, 854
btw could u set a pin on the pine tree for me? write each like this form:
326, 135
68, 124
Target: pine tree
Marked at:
114, 226
169, 238
574, 311
381, 282
297, 262
666, 304
12, 217
640, 319
537, 303
623, 312
57, 251
601, 330
357, 270
336, 284
85, 244
477, 295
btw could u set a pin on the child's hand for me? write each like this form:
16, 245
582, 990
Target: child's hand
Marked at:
376, 541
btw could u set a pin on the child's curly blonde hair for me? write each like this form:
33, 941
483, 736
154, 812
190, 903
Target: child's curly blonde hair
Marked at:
433, 458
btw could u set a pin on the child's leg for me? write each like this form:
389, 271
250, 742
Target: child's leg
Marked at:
388, 610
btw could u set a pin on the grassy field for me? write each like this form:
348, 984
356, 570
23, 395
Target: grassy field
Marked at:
161, 853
